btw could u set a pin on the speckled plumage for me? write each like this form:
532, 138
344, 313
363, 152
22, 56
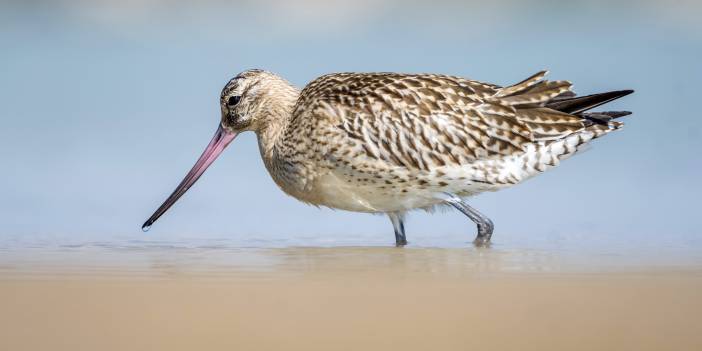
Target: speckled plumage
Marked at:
390, 143
383, 142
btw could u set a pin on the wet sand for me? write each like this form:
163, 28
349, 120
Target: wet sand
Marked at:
342, 299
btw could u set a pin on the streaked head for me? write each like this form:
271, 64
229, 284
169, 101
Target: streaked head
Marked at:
248, 102
252, 98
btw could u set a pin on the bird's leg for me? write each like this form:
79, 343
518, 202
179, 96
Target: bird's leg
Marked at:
485, 226
398, 224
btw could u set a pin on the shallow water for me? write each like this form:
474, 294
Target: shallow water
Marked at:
229, 258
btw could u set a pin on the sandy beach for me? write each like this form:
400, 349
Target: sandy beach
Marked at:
342, 299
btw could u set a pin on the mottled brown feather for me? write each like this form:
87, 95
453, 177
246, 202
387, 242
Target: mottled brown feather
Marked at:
445, 120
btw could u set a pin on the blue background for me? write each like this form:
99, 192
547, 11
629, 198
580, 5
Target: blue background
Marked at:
105, 105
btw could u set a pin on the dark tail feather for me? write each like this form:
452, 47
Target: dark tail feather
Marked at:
603, 117
577, 105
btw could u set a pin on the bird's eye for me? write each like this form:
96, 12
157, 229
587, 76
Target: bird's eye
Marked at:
233, 100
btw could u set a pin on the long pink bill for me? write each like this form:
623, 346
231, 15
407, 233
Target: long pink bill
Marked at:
221, 139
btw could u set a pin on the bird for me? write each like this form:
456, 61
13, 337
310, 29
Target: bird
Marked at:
389, 143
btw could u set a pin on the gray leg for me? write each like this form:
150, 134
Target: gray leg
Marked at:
399, 226
485, 226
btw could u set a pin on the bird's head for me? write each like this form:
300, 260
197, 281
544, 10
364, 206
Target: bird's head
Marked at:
251, 101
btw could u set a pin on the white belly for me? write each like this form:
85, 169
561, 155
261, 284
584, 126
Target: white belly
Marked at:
336, 192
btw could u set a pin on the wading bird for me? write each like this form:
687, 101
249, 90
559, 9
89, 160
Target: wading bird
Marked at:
390, 143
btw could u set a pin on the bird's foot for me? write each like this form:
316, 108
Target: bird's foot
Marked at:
481, 242
485, 230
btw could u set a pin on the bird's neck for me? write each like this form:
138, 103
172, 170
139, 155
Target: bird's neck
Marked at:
276, 117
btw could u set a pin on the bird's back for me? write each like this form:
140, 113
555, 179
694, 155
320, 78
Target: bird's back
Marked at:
385, 141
